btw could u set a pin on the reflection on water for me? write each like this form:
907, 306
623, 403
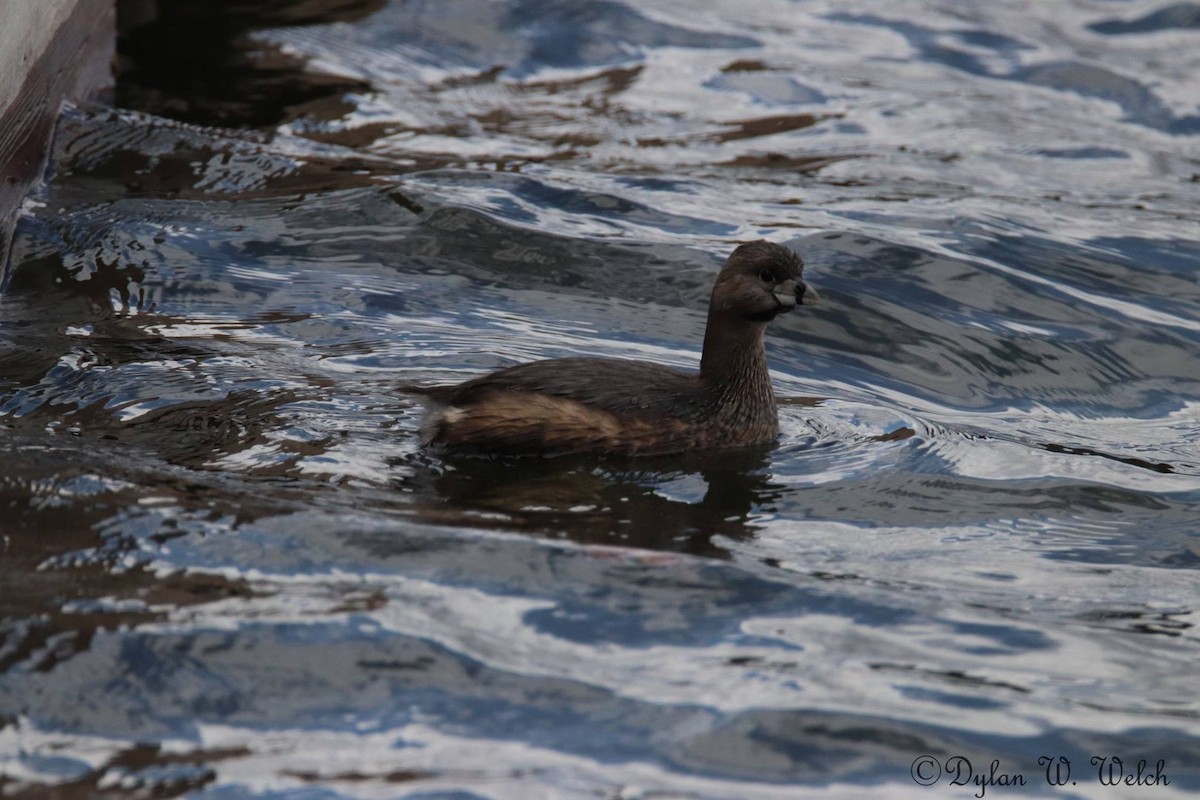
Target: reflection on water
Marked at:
230, 571
656, 504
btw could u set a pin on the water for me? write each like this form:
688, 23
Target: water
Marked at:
230, 572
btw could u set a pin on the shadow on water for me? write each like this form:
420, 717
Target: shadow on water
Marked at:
198, 62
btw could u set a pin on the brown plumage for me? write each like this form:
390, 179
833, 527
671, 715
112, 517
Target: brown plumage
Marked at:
605, 405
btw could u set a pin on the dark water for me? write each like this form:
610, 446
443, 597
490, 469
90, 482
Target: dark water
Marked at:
229, 572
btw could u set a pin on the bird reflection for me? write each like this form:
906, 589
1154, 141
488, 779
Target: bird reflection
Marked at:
678, 504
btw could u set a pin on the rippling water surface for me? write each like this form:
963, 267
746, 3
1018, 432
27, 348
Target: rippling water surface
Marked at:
230, 572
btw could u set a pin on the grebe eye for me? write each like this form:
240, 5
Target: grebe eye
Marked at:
767, 276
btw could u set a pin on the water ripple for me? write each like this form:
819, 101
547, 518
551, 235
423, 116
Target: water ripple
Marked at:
225, 550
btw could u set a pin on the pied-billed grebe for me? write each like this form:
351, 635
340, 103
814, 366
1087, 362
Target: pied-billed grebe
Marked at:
608, 405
